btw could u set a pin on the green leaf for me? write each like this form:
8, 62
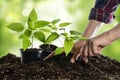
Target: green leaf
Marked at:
55, 21
20, 36
28, 32
26, 42
59, 50
31, 19
52, 37
64, 34
55, 28
72, 32
33, 15
40, 24
18, 27
64, 24
68, 45
50, 26
75, 37
40, 36
83, 38
45, 29
30, 24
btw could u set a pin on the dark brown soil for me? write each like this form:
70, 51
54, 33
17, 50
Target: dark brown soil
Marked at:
59, 68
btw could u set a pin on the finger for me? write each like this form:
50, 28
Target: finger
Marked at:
84, 54
94, 48
85, 50
90, 53
80, 52
73, 59
73, 50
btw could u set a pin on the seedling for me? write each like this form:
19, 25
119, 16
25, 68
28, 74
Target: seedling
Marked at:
33, 29
69, 37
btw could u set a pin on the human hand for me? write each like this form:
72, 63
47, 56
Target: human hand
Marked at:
91, 29
78, 46
95, 45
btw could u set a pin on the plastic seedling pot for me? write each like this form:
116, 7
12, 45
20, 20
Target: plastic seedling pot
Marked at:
30, 55
46, 49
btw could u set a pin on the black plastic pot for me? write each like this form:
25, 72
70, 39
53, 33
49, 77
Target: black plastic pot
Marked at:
46, 49
30, 55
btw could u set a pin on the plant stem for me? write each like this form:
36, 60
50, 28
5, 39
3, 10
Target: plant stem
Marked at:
49, 56
32, 42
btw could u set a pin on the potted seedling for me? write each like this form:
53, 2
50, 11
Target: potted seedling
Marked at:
34, 29
55, 28
47, 47
68, 37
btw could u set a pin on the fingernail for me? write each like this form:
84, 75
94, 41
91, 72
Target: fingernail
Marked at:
77, 56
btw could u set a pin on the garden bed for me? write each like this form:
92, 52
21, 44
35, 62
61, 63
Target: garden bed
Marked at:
59, 68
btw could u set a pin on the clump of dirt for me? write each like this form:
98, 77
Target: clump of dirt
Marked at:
59, 68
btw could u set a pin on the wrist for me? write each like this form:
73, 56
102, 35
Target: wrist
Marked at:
92, 28
114, 33
109, 37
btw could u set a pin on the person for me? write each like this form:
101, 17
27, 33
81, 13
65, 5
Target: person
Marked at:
100, 14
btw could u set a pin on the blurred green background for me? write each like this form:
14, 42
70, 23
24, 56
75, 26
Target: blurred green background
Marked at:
75, 11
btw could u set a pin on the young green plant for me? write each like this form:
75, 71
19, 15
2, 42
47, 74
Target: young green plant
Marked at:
33, 29
69, 38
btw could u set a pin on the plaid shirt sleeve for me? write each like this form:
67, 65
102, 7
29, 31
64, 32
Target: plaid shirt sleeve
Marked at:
103, 10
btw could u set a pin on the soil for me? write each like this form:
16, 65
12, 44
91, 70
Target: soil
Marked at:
58, 68
48, 47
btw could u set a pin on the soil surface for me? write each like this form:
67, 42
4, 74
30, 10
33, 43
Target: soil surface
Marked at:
59, 68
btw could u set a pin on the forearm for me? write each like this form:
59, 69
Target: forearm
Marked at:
92, 28
114, 33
